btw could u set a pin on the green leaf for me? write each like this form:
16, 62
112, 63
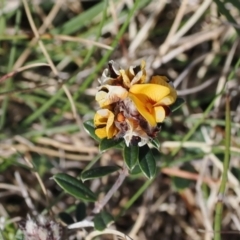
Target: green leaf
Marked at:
136, 170
106, 144
181, 183
66, 218
102, 220
80, 211
130, 155
155, 142
177, 104
98, 172
147, 162
90, 129
74, 187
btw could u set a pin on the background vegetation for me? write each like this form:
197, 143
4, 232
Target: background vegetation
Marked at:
51, 55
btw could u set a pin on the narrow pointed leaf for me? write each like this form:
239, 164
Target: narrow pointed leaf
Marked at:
102, 220
177, 104
147, 162
74, 187
155, 142
98, 172
66, 218
80, 211
130, 155
136, 170
181, 183
106, 144
90, 129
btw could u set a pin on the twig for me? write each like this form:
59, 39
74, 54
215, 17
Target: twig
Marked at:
197, 88
57, 6
191, 21
144, 32
223, 79
123, 174
139, 222
187, 70
203, 37
25, 194
165, 46
37, 36
11, 74
99, 206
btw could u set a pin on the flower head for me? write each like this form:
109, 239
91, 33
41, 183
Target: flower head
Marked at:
132, 107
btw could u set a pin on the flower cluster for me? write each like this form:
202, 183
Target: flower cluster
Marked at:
131, 108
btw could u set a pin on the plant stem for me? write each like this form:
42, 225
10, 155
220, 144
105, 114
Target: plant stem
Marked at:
219, 205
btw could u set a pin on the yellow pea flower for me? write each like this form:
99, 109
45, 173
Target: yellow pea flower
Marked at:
151, 98
104, 123
130, 107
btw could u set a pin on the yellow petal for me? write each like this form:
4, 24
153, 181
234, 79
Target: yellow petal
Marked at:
100, 117
163, 81
149, 92
145, 110
159, 113
169, 99
104, 119
101, 132
110, 127
98, 120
